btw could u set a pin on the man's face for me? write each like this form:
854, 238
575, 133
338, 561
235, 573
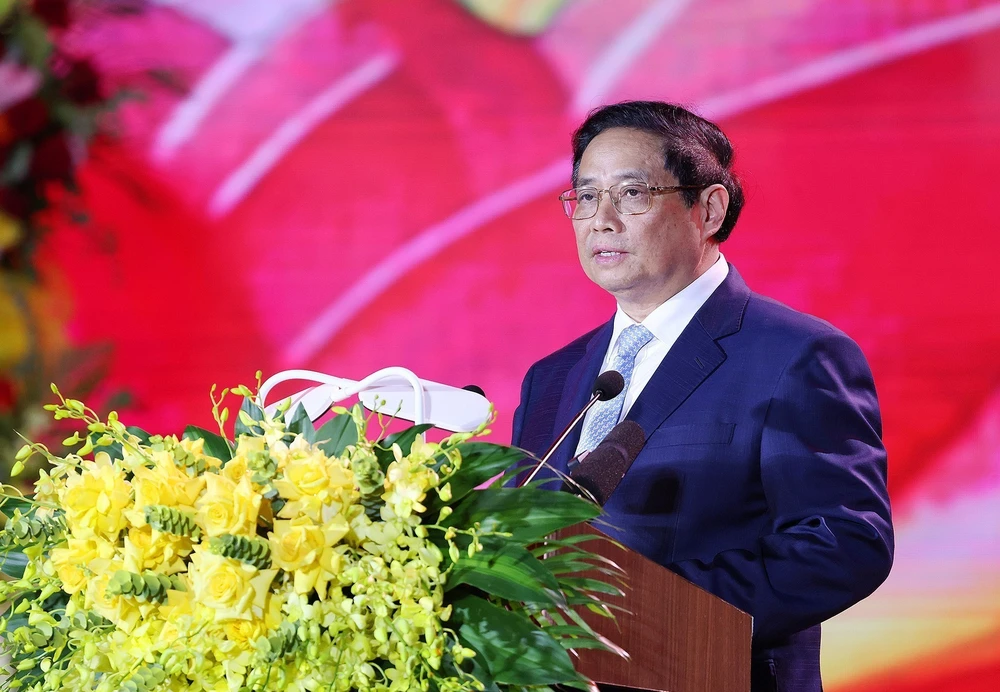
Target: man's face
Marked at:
642, 260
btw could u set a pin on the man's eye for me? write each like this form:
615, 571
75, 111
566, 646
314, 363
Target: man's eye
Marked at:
586, 195
631, 191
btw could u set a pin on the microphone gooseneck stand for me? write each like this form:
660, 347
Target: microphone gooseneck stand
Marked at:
608, 385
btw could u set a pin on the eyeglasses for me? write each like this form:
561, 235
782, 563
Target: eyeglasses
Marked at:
627, 198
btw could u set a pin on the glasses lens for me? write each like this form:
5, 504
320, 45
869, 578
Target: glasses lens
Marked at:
632, 198
585, 202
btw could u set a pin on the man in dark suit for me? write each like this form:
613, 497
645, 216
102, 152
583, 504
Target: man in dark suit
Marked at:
763, 476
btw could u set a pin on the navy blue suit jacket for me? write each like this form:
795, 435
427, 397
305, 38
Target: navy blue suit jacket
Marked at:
763, 476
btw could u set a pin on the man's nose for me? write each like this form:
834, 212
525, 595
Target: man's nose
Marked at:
606, 218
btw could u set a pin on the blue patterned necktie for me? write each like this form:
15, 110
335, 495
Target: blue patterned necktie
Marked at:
605, 414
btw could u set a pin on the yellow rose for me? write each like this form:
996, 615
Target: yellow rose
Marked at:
71, 560
296, 544
248, 445
151, 488
124, 612
313, 475
273, 614
233, 589
186, 488
310, 482
244, 632
306, 550
96, 499
228, 507
196, 448
149, 549
178, 608
306, 477
235, 469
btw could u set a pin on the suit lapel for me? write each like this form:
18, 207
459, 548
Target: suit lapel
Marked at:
694, 356
577, 391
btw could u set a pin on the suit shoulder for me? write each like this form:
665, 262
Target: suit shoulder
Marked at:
769, 315
788, 334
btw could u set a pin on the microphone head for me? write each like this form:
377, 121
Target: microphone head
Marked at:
628, 437
608, 385
474, 388
603, 469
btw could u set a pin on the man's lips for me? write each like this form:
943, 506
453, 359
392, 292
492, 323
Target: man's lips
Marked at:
608, 252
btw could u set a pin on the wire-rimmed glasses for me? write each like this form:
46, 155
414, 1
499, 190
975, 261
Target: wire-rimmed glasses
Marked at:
627, 198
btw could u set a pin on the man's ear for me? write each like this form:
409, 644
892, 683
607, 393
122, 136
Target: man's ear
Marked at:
712, 204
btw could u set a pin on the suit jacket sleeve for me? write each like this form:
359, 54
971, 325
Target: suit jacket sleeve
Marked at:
829, 541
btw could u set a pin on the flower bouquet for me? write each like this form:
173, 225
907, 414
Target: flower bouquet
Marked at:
290, 558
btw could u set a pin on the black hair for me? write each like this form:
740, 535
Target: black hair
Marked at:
695, 150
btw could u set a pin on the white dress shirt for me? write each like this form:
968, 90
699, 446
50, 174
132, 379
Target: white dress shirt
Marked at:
666, 323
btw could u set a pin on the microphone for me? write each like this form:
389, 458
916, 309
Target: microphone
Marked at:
600, 472
608, 385
474, 388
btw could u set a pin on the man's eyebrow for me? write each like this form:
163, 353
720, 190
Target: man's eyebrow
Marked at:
629, 174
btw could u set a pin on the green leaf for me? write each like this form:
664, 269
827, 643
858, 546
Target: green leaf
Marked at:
471, 666
215, 445
593, 585
481, 461
515, 651
139, 432
529, 514
581, 641
17, 620
300, 424
8, 505
13, 563
597, 640
575, 540
336, 434
114, 450
574, 563
254, 411
506, 570
405, 438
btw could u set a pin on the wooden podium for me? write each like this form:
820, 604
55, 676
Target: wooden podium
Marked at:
679, 637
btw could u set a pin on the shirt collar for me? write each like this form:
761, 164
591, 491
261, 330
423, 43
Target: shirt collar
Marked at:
669, 319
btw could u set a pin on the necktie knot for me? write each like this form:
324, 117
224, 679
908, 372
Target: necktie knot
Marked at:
631, 341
